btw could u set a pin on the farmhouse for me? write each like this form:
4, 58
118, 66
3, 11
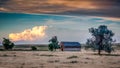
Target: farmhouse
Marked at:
70, 46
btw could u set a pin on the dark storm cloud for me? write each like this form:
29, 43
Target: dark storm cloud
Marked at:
101, 12
102, 8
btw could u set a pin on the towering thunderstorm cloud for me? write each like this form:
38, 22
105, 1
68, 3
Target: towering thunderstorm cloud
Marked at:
35, 33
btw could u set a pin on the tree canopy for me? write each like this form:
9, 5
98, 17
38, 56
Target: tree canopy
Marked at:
101, 39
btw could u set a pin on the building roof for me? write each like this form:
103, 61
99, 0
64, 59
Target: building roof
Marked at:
70, 43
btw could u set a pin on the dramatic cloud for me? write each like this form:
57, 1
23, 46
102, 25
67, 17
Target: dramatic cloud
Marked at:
65, 27
36, 32
107, 18
102, 8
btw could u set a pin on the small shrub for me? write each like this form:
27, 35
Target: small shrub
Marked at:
33, 48
7, 44
73, 62
72, 57
5, 55
47, 55
54, 61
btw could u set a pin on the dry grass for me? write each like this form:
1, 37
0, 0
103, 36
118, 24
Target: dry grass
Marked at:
58, 59
24, 57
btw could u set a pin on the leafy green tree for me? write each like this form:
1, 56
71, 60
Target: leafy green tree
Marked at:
101, 39
51, 47
53, 43
33, 48
7, 44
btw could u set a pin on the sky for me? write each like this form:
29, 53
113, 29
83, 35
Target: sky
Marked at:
36, 21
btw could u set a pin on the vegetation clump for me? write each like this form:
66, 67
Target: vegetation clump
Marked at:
47, 55
101, 39
7, 44
71, 57
33, 48
53, 44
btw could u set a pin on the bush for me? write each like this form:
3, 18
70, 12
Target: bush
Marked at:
71, 57
7, 44
33, 48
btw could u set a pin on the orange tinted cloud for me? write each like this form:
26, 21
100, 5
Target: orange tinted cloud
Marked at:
76, 4
36, 32
102, 8
47, 6
106, 18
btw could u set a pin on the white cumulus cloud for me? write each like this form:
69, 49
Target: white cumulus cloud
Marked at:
36, 32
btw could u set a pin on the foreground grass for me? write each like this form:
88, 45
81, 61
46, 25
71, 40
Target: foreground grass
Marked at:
58, 59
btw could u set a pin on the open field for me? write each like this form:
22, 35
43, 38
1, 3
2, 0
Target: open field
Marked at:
58, 59
23, 57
